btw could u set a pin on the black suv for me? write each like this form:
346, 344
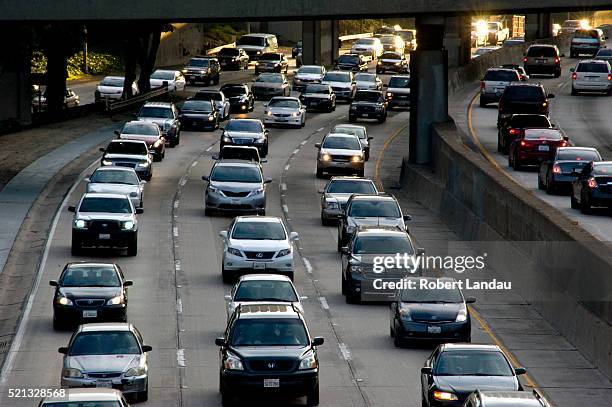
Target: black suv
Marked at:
351, 62
266, 349
522, 98
368, 104
240, 97
202, 69
514, 127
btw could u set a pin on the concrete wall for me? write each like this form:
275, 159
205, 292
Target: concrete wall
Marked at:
288, 32
178, 46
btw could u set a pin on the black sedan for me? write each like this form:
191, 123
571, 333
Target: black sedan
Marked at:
351, 62
557, 175
240, 97
392, 62
199, 114
592, 186
515, 126
89, 292
420, 314
368, 104
454, 371
319, 97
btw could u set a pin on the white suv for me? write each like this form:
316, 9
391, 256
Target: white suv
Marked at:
592, 75
494, 82
257, 244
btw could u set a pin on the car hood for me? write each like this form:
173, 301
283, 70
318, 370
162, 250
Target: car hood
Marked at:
105, 216
109, 89
465, 385
142, 137
259, 245
90, 292
236, 186
399, 90
376, 221
251, 47
340, 198
101, 363
282, 352
335, 151
157, 120
281, 110
433, 312
308, 76
364, 84
133, 157
104, 188
242, 134
234, 304
266, 85
337, 84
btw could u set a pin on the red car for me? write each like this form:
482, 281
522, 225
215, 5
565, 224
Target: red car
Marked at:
535, 146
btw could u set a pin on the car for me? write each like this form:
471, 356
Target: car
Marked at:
592, 186
367, 210
368, 104
173, 79
129, 153
239, 153
268, 85
86, 397
336, 193
409, 37
558, 173
104, 220
240, 97
107, 354
604, 54
494, 82
367, 81
422, 315
297, 49
480, 51
245, 132
117, 180
257, 44
521, 71
342, 83
398, 91
453, 371
222, 104
522, 98
340, 153
150, 133
542, 59
233, 58
371, 47
385, 29
262, 288
392, 42
506, 398
235, 186
267, 349
257, 244
513, 41
393, 62
39, 99
360, 280
586, 42
272, 62
360, 131
592, 76
351, 62
515, 126
287, 111
89, 292
202, 69
166, 116
111, 89
535, 146
319, 97
199, 114
307, 75
570, 26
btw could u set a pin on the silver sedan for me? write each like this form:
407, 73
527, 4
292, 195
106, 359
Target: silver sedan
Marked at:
287, 111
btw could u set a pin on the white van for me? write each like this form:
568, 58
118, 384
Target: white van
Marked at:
257, 44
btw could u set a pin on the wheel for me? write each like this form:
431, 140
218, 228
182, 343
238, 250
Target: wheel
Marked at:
319, 173
226, 399
423, 402
351, 299
339, 246
382, 119
367, 155
264, 151
57, 325
312, 398
256, 71
352, 119
361, 173
77, 247
573, 202
397, 341
391, 332
143, 395
132, 249
227, 279
574, 92
499, 145
208, 212
516, 164
585, 205
541, 185
550, 186
303, 123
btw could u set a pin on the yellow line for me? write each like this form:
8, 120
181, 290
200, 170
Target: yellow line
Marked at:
381, 155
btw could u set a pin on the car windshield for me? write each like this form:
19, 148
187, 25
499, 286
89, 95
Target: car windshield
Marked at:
535, 51
90, 276
231, 173
406, 35
232, 52
141, 128
120, 147
115, 177
271, 57
601, 67
382, 245
357, 131
254, 41
399, 82
374, 208
269, 332
387, 39
248, 126
156, 111
197, 106
578, 155
265, 290
104, 343
390, 55
337, 77
198, 63
269, 79
602, 169
418, 294
524, 121
81, 404
342, 143
501, 76
204, 95
351, 187
604, 53
288, 103
542, 134
365, 77
472, 363
310, 69
317, 89
365, 41
530, 93
348, 59
593, 34
112, 82
106, 205
368, 97
165, 75
230, 91
258, 231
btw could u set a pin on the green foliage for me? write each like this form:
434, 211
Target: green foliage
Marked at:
97, 63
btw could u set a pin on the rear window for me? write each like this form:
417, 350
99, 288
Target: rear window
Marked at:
530, 121
270, 57
397, 82
592, 67
535, 51
351, 187
602, 169
586, 34
543, 134
120, 147
390, 55
208, 96
523, 93
198, 63
578, 155
229, 52
502, 76
348, 59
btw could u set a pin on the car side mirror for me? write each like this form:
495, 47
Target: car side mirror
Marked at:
205, 178
426, 369
117, 132
102, 149
53, 283
562, 55
267, 180
128, 283
550, 96
147, 348
370, 138
86, 180
294, 236
71, 208
420, 251
263, 160
303, 297
520, 370
63, 350
317, 341
220, 341
227, 297
139, 211
407, 218
470, 300
133, 194
266, 132
222, 128
318, 145
266, 104
565, 138
223, 234
572, 69
215, 156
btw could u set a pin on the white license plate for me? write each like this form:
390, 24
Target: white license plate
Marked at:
259, 266
313, 103
90, 314
592, 78
236, 201
105, 384
543, 148
104, 236
272, 383
365, 115
434, 329
499, 90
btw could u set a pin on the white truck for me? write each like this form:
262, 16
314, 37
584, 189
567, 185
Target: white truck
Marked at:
497, 33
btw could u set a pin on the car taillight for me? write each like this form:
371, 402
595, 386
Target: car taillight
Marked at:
574, 76
525, 59
563, 144
524, 143
557, 60
482, 85
556, 169
592, 183
610, 76
514, 131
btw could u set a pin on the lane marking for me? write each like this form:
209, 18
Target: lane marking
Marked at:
323, 128
183, 181
324, 303
180, 358
177, 265
303, 143
297, 150
283, 187
307, 265
179, 306
344, 349
175, 231
176, 204
287, 167
381, 155
194, 163
209, 148
285, 208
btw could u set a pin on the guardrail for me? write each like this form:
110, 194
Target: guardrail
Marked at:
142, 97
355, 36
217, 49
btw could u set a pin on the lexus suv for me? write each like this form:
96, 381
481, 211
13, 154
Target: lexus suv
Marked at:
257, 244
340, 153
202, 69
398, 91
129, 153
166, 116
266, 349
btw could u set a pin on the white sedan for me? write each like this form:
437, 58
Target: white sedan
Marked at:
175, 79
282, 110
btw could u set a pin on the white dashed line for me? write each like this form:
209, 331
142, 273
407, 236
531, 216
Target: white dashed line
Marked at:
287, 167
177, 265
285, 209
283, 187
297, 150
176, 204
175, 231
180, 357
194, 164
346, 352
321, 129
324, 303
307, 265
183, 182
179, 306
209, 148
303, 143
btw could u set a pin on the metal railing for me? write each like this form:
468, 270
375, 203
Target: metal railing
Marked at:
140, 98
217, 49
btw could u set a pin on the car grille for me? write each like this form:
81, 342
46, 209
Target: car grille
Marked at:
273, 365
337, 89
606, 189
104, 225
432, 320
90, 302
341, 158
282, 114
235, 194
366, 108
129, 165
259, 255
104, 375
242, 140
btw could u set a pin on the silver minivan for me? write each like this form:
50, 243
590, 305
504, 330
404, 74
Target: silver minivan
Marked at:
257, 44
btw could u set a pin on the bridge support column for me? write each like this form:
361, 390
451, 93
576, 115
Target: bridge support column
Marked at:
15, 83
457, 40
320, 42
429, 86
538, 26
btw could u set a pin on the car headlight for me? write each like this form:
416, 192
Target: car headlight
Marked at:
257, 192
258, 52
284, 252
157, 143
397, 64
325, 157
389, 94
136, 371
143, 164
379, 63
60, 299
71, 372
227, 139
356, 159
295, 114
268, 113
234, 251
232, 362
462, 314
444, 395
211, 118
128, 225
107, 162
332, 205
350, 229
404, 312
184, 70
259, 140
214, 190
80, 224
116, 301
353, 107
308, 361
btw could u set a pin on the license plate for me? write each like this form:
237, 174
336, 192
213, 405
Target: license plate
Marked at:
104, 236
592, 78
313, 103
272, 383
236, 201
105, 384
365, 115
259, 266
543, 148
499, 90
90, 314
434, 329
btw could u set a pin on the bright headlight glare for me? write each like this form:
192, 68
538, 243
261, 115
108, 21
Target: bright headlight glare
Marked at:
389, 94
309, 361
269, 113
326, 157
128, 225
356, 158
211, 118
232, 362
332, 205
444, 395
107, 162
80, 223
135, 371
115, 300
63, 301
70, 372
353, 107
404, 311
226, 139
462, 315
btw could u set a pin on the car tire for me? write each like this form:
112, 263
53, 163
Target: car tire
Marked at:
143, 395
550, 187
227, 278
344, 285
397, 341
77, 247
312, 397
208, 212
574, 92
352, 119
573, 202
585, 205
132, 249
57, 325
541, 185
382, 119
499, 144
423, 402
482, 103
351, 299
324, 221
256, 71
